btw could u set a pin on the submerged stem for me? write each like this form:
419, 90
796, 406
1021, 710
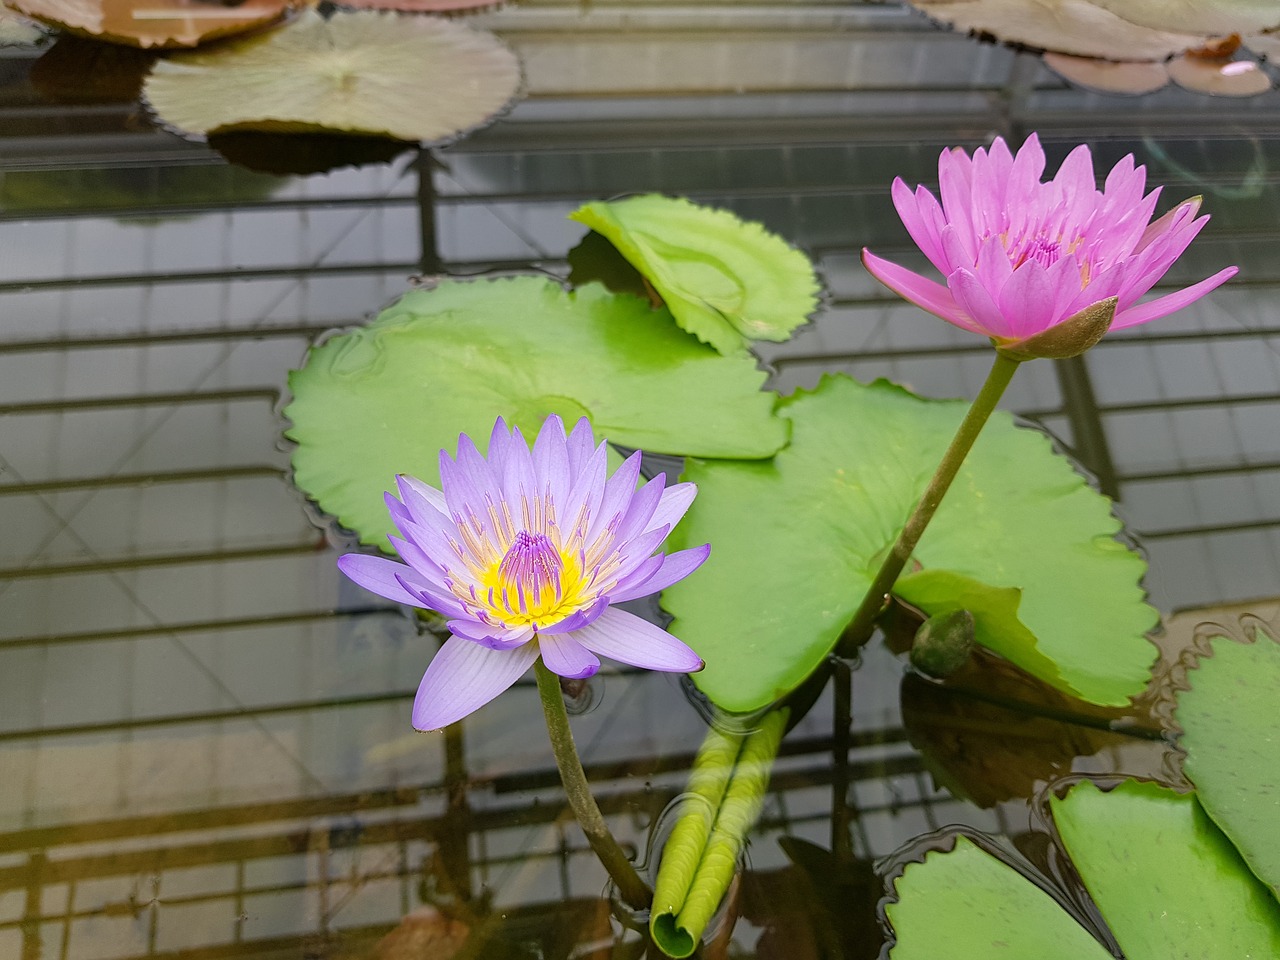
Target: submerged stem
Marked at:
634, 891
859, 630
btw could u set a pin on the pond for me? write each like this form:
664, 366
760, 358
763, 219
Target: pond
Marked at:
205, 737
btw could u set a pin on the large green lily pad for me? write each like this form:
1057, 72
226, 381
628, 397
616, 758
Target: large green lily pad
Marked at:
727, 281
1168, 882
1165, 879
1228, 718
386, 398
981, 909
1021, 540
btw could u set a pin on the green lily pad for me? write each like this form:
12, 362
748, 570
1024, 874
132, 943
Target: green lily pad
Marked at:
727, 281
1021, 540
1166, 880
1228, 718
410, 77
981, 909
386, 398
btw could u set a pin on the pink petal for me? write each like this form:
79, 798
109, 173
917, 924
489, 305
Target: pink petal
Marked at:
922, 216
675, 567
626, 638
1163, 306
1027, 300
1159, 227
924, 293
463, 677
565, 657
978, 303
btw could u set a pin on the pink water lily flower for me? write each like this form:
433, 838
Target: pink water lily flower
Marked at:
1022, 257
524, 552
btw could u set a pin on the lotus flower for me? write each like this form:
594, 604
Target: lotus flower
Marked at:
1022, 257
524, 553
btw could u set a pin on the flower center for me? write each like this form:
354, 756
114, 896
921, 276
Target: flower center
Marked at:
532, 567
534, 582
1045, 252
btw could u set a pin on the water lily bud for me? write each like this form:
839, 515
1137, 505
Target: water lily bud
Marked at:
943, 643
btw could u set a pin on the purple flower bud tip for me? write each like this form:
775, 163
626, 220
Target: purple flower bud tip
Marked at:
524, 552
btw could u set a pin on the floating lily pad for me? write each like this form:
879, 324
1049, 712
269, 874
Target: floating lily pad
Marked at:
1021, 540
1217, 18
980, 908
1078, 27
1166, 880
424, 6
386, 398
1133, 77
1219, 78
153, 23
1228, 717
17, 31
727, 281
408, 77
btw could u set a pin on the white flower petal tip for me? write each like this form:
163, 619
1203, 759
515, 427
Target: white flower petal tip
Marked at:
1022, 256
531, 544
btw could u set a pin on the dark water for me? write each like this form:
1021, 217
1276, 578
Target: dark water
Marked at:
205, 748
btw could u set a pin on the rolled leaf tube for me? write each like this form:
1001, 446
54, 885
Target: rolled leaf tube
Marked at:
693, 876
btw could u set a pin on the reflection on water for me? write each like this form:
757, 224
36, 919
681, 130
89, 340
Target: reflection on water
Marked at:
204, 740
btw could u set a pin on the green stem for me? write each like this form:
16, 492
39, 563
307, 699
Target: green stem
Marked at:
634, 891
859, 630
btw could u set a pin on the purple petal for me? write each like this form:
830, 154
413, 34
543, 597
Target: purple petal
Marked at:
580, 445
626, 638
588, 488
384, 577
496, 636
565, 657
618, 492
463, 677
578, 620
672, 507
643, 503
425, 502
924, 293
551, 459
675, 567
417, 558
1163, 306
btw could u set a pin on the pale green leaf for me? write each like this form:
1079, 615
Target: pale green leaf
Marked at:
727, 281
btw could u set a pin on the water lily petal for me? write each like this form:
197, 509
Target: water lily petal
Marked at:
383, 577
424, 502
674, 567
565, 657
626, 638
924, 293
463, 677
496, 636
922, 215
618, 491
975, 301
1163, 306
551, 459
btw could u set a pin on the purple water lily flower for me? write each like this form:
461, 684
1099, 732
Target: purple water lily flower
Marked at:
1022, 257
524, 553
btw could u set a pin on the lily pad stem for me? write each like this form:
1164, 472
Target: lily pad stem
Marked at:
859, 630
634, 891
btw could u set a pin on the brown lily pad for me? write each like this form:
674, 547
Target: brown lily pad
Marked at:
445, 7
1219, 78
153, 23
1077, 27
364, 72
1133, 77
